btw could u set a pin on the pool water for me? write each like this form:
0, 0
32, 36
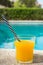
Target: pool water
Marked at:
24, 31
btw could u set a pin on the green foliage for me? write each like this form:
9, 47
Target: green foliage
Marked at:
18, 4
29, 3
22, 14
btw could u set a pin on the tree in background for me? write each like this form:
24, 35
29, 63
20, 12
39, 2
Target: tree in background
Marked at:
27, 3
6, 3
18, 4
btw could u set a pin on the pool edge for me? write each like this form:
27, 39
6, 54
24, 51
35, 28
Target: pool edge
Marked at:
13, 50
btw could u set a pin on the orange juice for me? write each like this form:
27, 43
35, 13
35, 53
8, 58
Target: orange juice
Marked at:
24, 50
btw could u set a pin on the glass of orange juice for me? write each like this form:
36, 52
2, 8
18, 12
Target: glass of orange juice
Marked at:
24, 50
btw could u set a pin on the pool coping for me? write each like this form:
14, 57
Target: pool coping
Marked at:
40, 52
26, 21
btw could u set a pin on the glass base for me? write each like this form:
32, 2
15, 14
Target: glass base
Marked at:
25, 62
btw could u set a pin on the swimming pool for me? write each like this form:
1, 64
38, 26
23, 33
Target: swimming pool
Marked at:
24, 31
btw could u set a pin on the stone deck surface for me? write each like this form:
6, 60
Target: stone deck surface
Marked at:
7, 57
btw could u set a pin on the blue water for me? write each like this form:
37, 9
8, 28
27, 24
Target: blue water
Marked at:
24, 31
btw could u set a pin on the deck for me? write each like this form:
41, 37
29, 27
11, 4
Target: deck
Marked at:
7, 57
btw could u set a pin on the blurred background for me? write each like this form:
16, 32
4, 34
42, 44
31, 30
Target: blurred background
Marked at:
22, 9
21, 3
